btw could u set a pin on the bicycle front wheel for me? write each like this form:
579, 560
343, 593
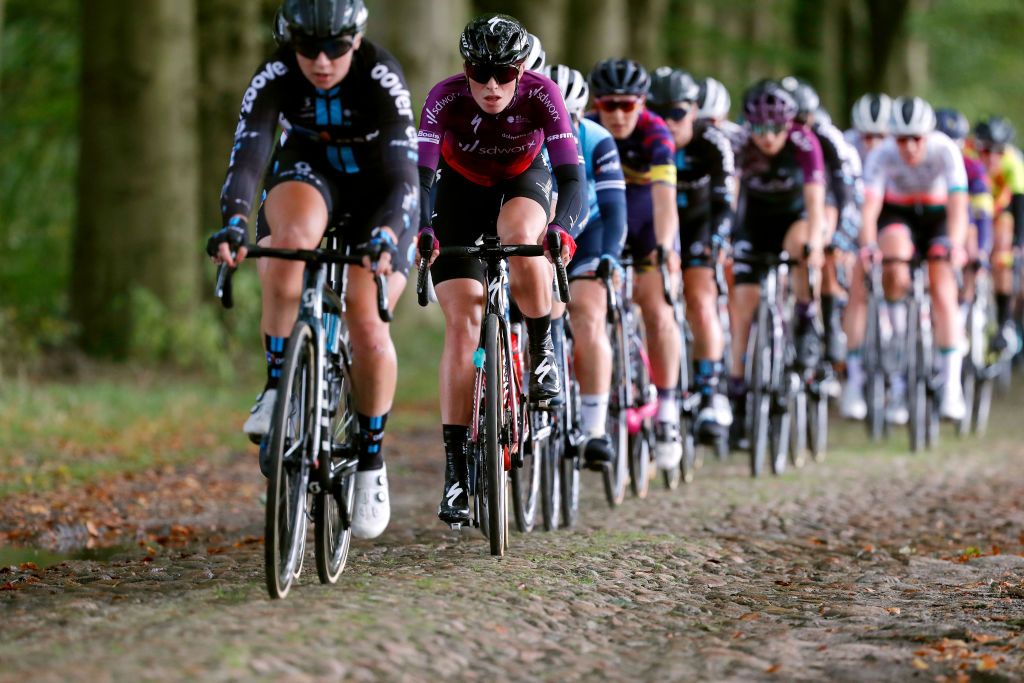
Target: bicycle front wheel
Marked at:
291, 439
333, 506
494, 429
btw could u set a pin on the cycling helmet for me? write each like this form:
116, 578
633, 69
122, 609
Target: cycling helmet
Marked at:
911, 116
670, 85
768, 102
872, 113
319, 19
807, 100
619, 77
953, 123
713, 100
995, 130
535, 60
495, 39
572, 85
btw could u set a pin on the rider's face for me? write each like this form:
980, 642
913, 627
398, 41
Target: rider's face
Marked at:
493, 97
681, 128
770, 141
619, 114
912, 148
325, 73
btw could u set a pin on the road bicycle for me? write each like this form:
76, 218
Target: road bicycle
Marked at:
310, 450
500, 424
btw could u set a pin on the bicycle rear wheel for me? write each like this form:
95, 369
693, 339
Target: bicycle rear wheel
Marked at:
291, 439
550, 483
332, 507
494, 450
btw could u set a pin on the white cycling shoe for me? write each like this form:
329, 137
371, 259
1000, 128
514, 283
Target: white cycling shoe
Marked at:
668, 449
852, 405
258, 423
372, 508
952, 407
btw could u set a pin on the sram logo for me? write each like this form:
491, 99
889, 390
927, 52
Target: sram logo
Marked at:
270, 72
391, 82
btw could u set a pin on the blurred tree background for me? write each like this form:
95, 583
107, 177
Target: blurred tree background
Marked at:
116, 122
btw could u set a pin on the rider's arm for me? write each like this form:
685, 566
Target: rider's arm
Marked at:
956, 186
430, 137
254, 140
560, 141
662, 150
812, 164
723, 170
874, 195
611, 196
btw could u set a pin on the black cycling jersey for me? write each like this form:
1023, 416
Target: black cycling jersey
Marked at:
704, 178
363, 126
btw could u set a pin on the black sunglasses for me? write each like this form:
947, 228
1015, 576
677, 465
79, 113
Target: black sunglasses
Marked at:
310, 47
501, 73
674, 113
609, 105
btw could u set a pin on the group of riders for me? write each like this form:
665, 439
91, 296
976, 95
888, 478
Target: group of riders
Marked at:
653, 171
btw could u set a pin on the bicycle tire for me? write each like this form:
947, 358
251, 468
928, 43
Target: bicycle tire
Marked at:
615, 474
760, 396
334, 505
640, 449
779, 429
569, 455
817, 426
550, 487
917, 388
874, 384
291, 434
798, 429
689, 465
983, 408
494, 460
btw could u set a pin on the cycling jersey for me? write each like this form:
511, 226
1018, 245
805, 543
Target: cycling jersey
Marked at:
855, 139
362, 127
736, 134
775, 184
979, 211
704, 191
647, 158
605, 229
845, 185
488, 149
926, 184
1009, 180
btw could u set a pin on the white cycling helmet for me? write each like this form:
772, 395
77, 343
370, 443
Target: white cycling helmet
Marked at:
573, 86
713, 100
535, 59
912, 116
872, 113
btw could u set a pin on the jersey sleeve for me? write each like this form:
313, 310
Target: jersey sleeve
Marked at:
953, 169
721, 174
875, 169
398, 144
429, 138
560, 141
254, 138
610, 185
808, 155
661, 150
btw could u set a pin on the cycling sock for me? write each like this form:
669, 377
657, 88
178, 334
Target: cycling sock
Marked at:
455, 439
1004, 307
805, 310
950, 362
737, 387
538, 329
371, 434
593, 414
275, 359
667, 411
706, 373
855, 366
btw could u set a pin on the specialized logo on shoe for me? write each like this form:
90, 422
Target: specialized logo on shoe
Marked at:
544, 369
454, 492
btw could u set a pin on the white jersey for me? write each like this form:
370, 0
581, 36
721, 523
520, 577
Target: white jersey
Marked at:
929, 183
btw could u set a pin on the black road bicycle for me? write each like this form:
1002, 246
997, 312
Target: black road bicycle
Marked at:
310, 448
498, 427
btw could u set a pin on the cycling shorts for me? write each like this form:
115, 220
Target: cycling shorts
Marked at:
641, 239
760, 232
695, 237
927, 225
463, 211
588, 250
352, 200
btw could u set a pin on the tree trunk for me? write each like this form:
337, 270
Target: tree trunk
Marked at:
230, 48
887, 19
598, 32
138, 170
809, 39
434, 54
646, 31
1, 40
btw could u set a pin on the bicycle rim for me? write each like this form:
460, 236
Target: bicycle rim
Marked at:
291, 436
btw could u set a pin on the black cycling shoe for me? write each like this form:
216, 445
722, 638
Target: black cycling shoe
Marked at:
707, 427
545, 387
807, 343
835, 339
454, 507
738, 438
598, 452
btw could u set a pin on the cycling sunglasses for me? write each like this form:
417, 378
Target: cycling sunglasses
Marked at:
674, 113
608, 105
767, 128
869, 137
483, 73
991, 149
904, 139
310, 47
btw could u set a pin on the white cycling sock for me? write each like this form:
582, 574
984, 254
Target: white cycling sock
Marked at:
855, 369
667, 410
593, 414
950, 364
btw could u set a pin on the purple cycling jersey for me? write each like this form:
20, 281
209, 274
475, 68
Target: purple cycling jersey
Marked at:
489, 148
778, 181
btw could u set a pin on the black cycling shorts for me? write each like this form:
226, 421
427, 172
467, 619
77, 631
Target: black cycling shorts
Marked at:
463, 211
760, 232
695, 237
927, 224
352, 200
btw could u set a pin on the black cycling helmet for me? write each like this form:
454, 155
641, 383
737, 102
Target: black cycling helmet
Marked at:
619, 77
670, 85
319, 19
995, 130
952, 122
495, 39
807, 100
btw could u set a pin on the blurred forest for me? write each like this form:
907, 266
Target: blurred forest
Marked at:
116, 121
